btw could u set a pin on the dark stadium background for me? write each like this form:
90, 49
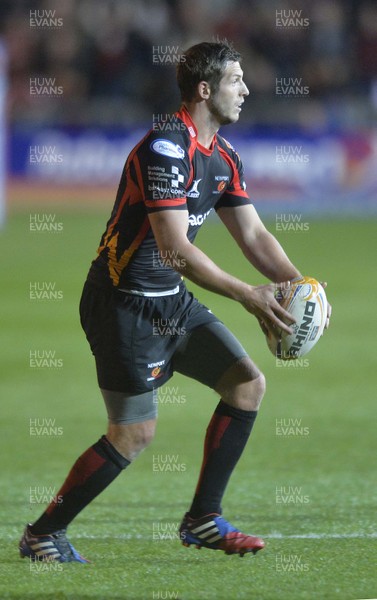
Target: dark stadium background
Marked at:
111, 64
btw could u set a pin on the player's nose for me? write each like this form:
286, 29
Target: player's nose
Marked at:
245, 90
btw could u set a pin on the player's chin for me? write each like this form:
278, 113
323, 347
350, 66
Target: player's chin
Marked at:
236, 115
229, 119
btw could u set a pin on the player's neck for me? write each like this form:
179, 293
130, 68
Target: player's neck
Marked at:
205, 123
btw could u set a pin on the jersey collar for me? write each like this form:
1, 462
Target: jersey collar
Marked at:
185, 116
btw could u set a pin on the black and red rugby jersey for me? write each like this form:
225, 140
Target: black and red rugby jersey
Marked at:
167, 170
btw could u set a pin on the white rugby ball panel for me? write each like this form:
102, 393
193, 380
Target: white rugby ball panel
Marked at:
306, 301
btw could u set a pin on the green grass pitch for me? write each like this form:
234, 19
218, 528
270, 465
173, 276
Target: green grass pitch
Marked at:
306, 481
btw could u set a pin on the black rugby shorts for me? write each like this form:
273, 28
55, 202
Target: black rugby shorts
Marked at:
138, 342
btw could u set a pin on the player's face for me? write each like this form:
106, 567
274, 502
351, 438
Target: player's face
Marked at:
225, 104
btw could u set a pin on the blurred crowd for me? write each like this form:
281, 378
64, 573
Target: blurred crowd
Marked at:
104, 61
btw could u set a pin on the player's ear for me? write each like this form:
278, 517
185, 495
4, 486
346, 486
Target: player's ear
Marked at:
204, 91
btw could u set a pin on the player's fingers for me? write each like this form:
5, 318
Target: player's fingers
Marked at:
327, 324
283, 291
283, 326
275, 333
329, 311
263, 326
270, 329
278, 323
281, 312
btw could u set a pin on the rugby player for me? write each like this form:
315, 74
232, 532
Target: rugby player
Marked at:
135, 294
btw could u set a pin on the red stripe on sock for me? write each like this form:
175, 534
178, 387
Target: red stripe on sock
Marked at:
84, 467
221, 425
216, 429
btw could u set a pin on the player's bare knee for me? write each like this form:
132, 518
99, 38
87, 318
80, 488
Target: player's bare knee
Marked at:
140, 438
243, 385
259, 385
144, 436
241, 372
131, 439
248, 395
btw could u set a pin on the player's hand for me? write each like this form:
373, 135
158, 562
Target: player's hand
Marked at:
329, 307
261, 302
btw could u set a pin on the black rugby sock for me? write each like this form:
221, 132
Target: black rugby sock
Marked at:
226, 437
90, 475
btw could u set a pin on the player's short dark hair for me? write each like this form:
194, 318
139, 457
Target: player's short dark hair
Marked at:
204, 62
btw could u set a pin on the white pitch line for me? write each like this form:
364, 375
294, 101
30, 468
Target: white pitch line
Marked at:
320, 536
173, 536
273, 536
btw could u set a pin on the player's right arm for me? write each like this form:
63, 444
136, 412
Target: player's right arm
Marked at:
170, 231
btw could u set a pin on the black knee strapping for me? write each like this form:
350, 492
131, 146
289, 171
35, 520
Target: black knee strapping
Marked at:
107, 450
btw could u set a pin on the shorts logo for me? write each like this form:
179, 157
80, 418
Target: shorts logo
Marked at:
167, 148
221, 186
156, 370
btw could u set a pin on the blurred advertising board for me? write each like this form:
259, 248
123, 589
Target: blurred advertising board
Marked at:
324, 174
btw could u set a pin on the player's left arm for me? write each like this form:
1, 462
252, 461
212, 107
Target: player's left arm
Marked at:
258, 245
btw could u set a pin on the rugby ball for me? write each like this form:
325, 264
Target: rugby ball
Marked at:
306, 301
